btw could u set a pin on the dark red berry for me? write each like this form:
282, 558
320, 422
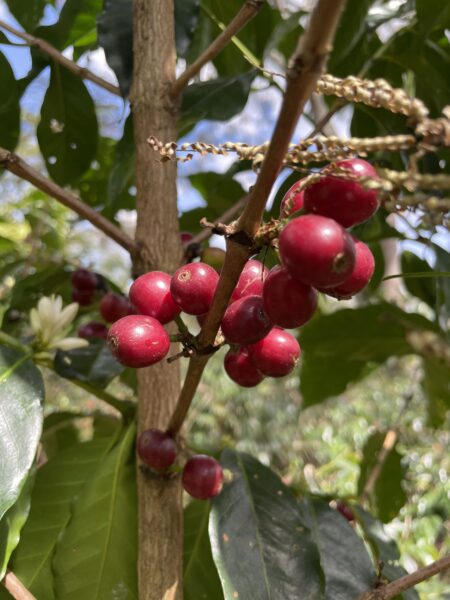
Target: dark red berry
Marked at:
113, 307
84, 280
288, 302
93, 330
316, 250
277, 354
84, 298
151, 296
186, 237
202, 477
193, 287
240, 368
157, 449
214, 257
360, 276
245, 321
344, 200
292, 201
345, 511
251, 280
138, 341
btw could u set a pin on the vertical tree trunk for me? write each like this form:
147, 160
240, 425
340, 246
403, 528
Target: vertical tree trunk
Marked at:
160, 508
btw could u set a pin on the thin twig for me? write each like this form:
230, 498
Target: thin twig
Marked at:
19, 167
57, 56
16, 587
224, 218
393, 589
389, 442
249, 10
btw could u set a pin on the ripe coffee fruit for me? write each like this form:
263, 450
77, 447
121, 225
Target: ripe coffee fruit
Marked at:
344, 200
138, 341
275, 355
240, 368
193, 286
251, 280
151, 296
93, 329
113, 307
245, 321
288, 302
345, 511
316, 250
186, 237
292, 201
84, 280
360, 276
157, 449
84, 298
202, 477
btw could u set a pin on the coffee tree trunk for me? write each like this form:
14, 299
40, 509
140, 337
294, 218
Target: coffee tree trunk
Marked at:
160, 508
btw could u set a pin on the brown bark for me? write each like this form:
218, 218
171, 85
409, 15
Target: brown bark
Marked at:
160, 508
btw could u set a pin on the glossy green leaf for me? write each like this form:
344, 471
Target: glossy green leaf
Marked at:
67, 132
27, 12
187, 13
9, 106
436, 385
388, 495
43, 282
351, 29
121, 175
57, 485
21, 396
59, 432
200, 578
421, 287
96, 557
4, 594
260, 544
92, 364
432, 14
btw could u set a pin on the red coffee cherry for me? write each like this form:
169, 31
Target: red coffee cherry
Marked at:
292, 201
317, 251
245, 321
84, 298
151, 296
138, 341
84, 280
345, 511
251, 280
93, 329
277, 354
344, 200
186, 237
193, 286
114, 307
288, 302
360, 276
240, 368
202, 477
157, 449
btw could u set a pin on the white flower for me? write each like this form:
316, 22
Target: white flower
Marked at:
70, 343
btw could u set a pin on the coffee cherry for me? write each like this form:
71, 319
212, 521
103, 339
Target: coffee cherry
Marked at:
360, 276
157, 449
138, 341
186, 237
113, 307
214, 257
277, 354
344, 200
202, 477
93, 330
292, 201
240, 368
151, 296
193, 287
84, 280
345, 511
251, 280
84, 298
288, 303
317, 251
245, 321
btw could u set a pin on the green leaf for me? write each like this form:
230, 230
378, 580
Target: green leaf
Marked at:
9, 106
422, 287
121, 176
351, 29
285, 36
217, 99
21, 394
388, 495
187, 13
93, 364
436, 385
200, 579
260, 544
58, 483
97, 555
59, 432
67, 132
344, 346
27, 12
376, 229
346, 564
432, 14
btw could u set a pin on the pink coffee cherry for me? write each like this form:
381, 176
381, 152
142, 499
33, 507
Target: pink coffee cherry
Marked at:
157, 449
114, 306
93, 329
84, 298
193, 287
292, 201
251, 280
277, 354
151, 296
84, 280
240, 368
245, 321
202, 477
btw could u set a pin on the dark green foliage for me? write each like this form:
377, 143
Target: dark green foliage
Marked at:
9, 106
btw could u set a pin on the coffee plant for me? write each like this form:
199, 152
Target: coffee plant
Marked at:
160, 361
